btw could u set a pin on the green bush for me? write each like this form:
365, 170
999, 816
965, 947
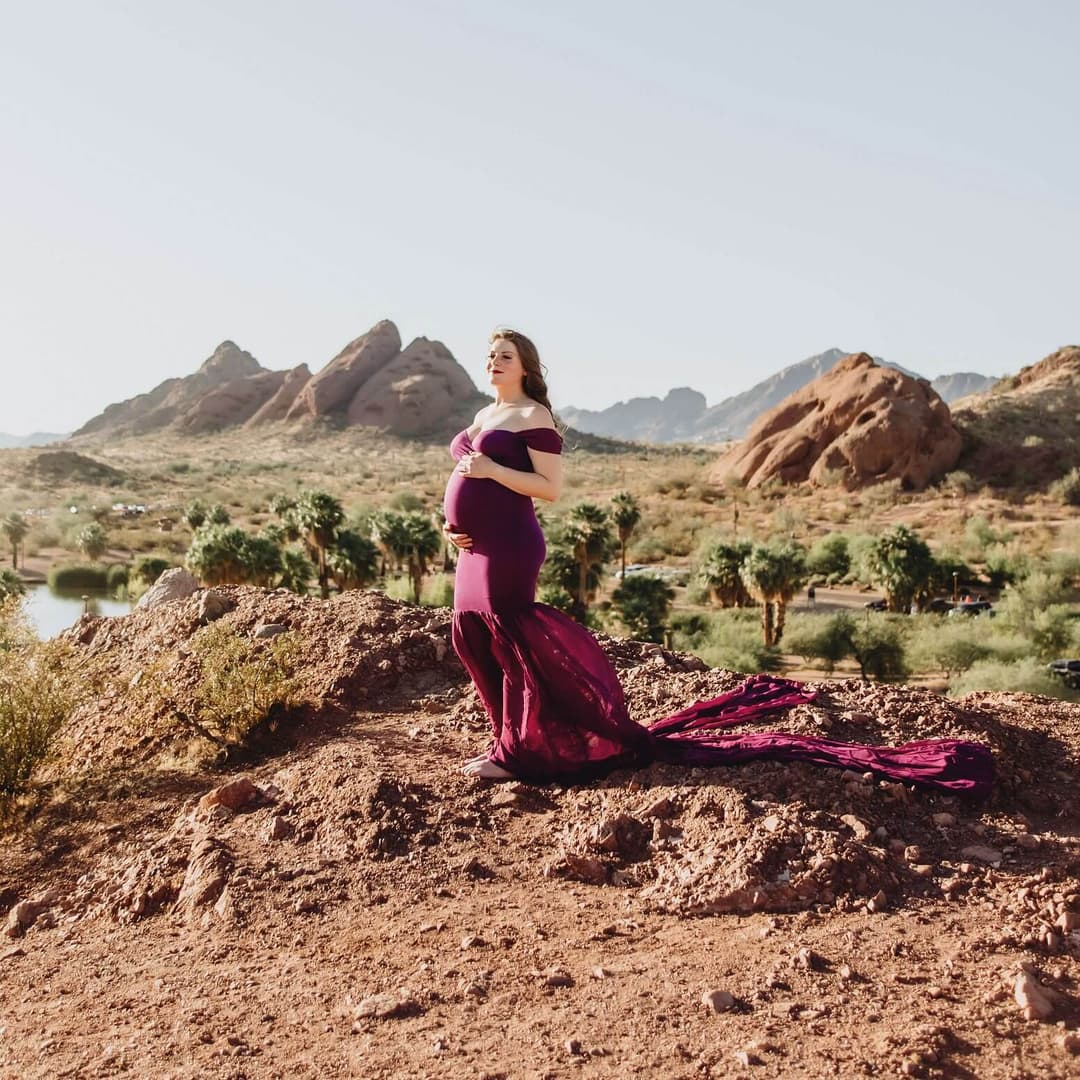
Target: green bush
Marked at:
116, 576
1067, 489
37, 692
820, 639
830, 558
1027, 676
148, 568
729, 639
78, 577
950, 646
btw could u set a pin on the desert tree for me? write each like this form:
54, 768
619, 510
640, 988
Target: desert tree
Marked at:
353, 560
643, 602
586, 531
423, 544
10, 584
773, 574
721, 573
14, 528
92, 540
318, 515
296, 571
195, 514
901, 565
218, 555
627, 517
391, 537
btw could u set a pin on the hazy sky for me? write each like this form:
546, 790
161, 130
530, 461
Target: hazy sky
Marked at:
660, 194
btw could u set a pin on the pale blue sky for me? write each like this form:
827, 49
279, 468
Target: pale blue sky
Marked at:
679, 194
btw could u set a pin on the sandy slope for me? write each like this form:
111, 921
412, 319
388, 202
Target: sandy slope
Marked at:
365, 911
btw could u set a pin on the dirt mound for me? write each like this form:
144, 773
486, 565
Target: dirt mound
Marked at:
1026, 431
858, 424
346, 900
68, 467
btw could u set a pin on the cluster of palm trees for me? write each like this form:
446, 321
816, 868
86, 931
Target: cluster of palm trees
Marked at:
331, 549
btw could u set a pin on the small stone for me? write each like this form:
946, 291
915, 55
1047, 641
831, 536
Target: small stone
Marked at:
212, 605
386, 1007
1068, 921
981, 853
600, 972
572, 1047
878, 902
858, 827
1032, 998
913, 853
473, 941
807, 959
943, 820
1070, 1042
23, 915
279, 828
504, 797
1028, 842
746, 1059
269, 630
771, 823
556, 978
718, 1000
232, 795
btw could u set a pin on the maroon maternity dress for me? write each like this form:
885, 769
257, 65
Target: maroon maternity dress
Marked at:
557, 710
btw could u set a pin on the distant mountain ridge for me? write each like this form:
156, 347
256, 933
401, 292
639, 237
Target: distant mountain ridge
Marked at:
684, 415
373, 381
36, 438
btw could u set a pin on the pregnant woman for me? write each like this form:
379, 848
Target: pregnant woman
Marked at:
556, 707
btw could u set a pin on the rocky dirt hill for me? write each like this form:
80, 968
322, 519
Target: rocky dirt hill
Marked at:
418, 390
1026, 431
344, 903
856, 425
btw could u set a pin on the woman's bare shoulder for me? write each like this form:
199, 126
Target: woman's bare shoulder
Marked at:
537, 416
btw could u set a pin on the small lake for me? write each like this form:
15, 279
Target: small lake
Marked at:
50, 613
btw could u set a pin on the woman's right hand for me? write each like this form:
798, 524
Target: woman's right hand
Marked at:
458, 539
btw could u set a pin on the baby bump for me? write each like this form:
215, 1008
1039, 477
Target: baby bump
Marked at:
490, 513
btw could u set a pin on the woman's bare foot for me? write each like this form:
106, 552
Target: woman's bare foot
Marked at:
485, 769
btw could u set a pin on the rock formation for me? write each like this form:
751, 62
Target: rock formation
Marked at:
1026, 431
372, 381
859, 424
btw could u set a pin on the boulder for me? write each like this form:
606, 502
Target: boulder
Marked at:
859, 424
330, 391
175, 584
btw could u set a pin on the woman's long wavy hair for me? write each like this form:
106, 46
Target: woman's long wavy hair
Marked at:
535, 385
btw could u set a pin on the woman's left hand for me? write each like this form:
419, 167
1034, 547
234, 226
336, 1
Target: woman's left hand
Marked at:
477, 466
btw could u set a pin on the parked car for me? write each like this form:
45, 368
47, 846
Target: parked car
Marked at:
973, 607
876, 605
1066, 670
940, 605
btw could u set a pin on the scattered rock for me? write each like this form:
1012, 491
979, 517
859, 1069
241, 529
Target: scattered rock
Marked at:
981, 853
387, 1007
279, 828
1034, 1001
23, 915
718, 1000
175, 584
212, 605
233, 795
1070, 1042
269, 630
557, 977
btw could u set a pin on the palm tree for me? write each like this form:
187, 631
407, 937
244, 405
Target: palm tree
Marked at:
643, 602
218, 555
720, 572
901, 563
14, 527
93, 541
296, 571
627, 516
587, 532
318, 516
261, 560
353, 560
773, 574
424, 543
389, 532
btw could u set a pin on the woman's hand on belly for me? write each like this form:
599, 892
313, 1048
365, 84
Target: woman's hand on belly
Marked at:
458, 539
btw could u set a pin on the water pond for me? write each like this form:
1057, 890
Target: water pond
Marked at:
50, 612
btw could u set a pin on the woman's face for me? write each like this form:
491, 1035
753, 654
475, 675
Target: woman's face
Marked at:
504, 366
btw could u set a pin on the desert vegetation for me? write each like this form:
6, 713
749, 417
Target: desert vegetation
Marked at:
641, 545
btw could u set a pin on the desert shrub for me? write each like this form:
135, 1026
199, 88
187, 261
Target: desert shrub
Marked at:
878, 648
557, 597
830, 558
76, 577
728, 639
437, 589
882, 496
116, 576
244, 687
859, 548
37, 692
407, 501
147, 569
1005, 567
950, 646
959, 483
1067, 489
10, 584
820, 639
979, 535
1027, 675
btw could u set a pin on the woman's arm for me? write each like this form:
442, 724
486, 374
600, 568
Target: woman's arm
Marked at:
544, 483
